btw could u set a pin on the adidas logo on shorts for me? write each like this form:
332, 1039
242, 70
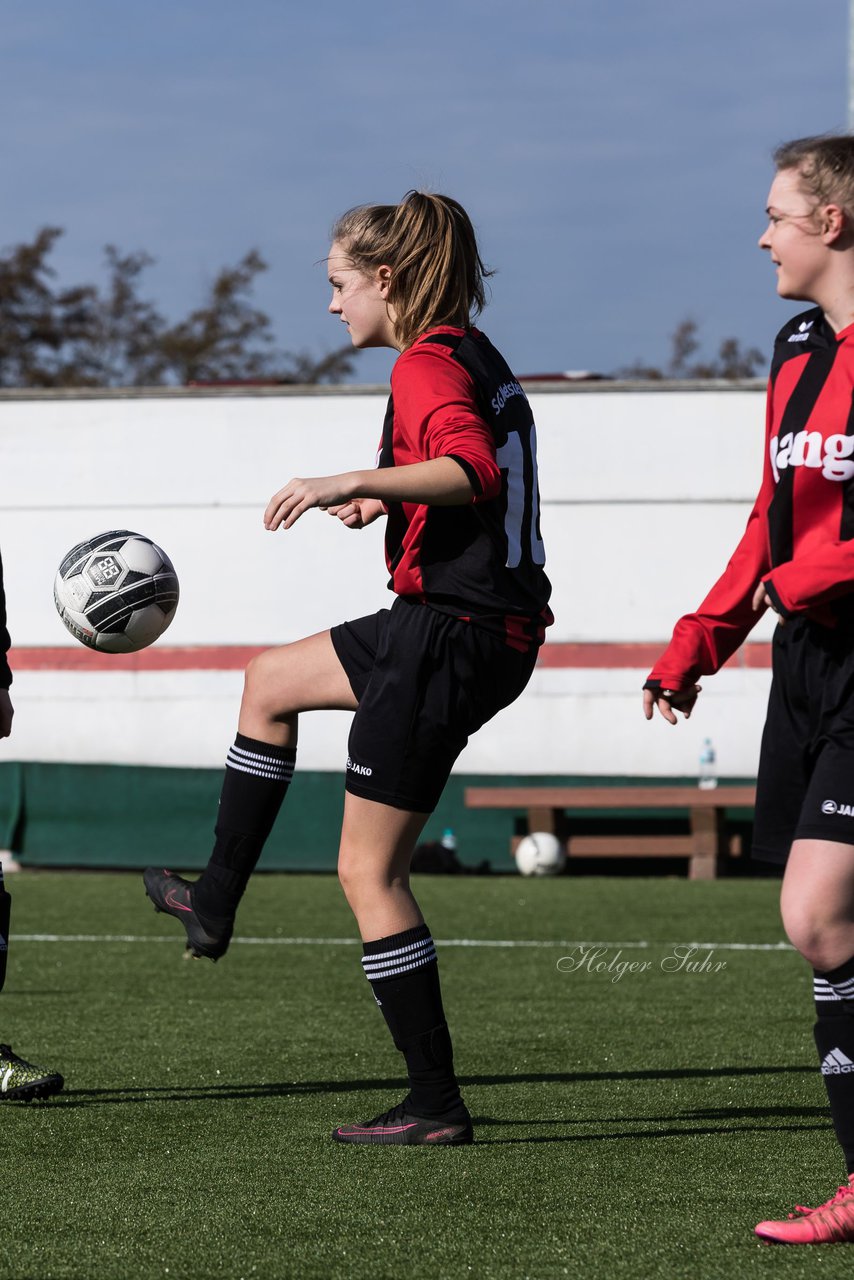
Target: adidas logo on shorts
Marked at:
836, 1064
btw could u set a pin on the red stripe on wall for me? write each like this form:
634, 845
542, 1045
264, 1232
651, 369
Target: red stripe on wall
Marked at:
158, 658
637, 656
576, 656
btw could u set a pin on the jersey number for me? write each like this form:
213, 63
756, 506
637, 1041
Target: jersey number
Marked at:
511, 457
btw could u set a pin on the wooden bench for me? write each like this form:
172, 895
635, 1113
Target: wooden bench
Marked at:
548, 809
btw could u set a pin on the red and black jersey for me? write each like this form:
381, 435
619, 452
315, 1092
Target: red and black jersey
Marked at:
453, 395
5, 673
799, 539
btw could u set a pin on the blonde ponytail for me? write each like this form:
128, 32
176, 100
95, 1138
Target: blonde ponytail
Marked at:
428, 241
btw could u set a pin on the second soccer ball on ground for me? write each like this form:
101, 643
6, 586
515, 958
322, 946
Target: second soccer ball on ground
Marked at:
540, 854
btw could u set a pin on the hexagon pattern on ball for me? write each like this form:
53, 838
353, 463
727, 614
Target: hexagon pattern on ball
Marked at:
117, 592
540, 854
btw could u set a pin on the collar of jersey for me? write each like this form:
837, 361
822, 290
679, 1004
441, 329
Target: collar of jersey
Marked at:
444, 328
847, 332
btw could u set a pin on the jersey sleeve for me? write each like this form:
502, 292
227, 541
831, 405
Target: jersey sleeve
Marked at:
814, 579
437, 414
5, 672
703, 641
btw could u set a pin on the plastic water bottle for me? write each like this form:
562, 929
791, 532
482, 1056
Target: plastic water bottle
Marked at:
449, 840
708, 773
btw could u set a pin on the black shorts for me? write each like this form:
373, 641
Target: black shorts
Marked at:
425, 681
805, 788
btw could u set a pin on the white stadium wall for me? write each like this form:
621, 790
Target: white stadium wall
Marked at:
644, 494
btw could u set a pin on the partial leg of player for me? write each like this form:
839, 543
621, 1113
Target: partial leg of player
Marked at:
817, 905
399, 961
20, 1081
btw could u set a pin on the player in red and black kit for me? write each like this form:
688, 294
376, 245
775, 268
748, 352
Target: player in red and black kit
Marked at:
457, 481
20, 1081
797, 557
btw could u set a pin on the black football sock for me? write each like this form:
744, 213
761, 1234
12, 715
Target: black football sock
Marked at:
257, 775
834, 1038
404, 978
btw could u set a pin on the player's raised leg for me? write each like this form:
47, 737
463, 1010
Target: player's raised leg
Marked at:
817, 905
279, 684
399, 960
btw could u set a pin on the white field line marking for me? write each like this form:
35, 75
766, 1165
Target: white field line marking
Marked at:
563, 944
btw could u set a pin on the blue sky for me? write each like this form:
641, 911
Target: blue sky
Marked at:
615, 158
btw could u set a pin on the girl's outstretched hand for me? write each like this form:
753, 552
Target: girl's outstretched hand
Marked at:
358, 512
6, 713
286, 506
668, 701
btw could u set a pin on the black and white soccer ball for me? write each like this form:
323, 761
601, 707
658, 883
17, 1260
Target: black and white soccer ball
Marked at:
540, 854
117, 592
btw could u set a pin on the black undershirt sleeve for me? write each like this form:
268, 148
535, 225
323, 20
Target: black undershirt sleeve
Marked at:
471, 474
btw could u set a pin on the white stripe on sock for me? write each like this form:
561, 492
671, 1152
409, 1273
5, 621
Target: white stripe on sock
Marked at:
258, 755
399, 951
255, 760
398, 966
388, 964
825, 990
276, 771
257, 773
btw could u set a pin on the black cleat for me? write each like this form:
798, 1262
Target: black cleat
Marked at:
23, 1081
174, 896
401, 1128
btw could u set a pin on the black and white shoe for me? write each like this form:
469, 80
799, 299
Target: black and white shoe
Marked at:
174, 896
401, 1127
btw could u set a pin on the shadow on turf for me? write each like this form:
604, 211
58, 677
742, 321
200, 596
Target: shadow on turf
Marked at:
683, 1131
249, 1092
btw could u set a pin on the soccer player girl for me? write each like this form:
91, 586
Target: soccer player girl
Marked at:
19, 1080
797, 558
456, 483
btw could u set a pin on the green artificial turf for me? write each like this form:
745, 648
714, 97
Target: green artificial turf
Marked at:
629, 1126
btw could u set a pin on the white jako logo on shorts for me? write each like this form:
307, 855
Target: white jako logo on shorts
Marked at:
842, 810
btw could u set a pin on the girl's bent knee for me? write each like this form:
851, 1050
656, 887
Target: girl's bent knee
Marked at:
257, 670
824, 945
267, 688
352, 878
